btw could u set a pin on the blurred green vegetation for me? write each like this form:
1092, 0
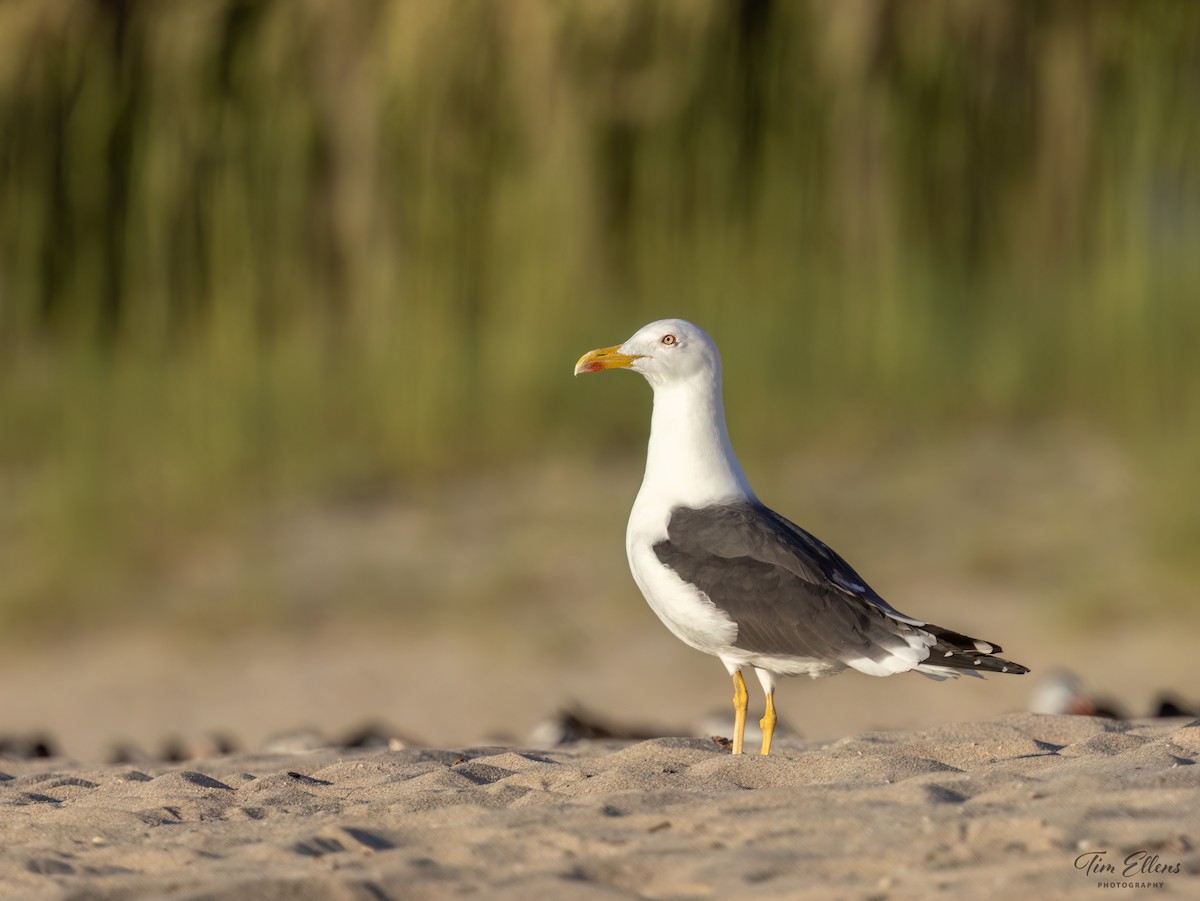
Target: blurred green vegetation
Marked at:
260, 249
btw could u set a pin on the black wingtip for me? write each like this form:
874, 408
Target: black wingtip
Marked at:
960, 651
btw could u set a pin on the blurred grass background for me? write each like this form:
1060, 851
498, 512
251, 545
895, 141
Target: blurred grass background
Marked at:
259, 252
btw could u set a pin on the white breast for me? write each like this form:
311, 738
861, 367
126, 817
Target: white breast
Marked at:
686, 611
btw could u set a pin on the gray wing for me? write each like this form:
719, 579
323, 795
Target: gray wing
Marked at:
788, 592
791, 594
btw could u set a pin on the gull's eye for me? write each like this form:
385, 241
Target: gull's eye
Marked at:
669, 340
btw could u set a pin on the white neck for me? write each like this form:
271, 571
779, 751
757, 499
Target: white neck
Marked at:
690, 461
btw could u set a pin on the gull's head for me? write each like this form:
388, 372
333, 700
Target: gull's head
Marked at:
665, 351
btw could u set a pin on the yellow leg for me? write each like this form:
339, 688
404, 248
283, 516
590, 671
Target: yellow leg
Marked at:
768, 724
741, 700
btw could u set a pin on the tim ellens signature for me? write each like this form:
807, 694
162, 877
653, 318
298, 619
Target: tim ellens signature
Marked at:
1137, 863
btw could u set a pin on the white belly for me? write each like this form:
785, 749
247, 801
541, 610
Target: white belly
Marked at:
688, 613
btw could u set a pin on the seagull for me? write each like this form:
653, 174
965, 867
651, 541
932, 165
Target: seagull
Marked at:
729, 576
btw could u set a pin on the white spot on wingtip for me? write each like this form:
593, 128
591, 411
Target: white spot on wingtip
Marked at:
977, 661
949, 653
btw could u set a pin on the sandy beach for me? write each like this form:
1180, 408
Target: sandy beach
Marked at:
1022, 803
877, 788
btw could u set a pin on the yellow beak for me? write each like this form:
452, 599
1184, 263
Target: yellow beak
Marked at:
605, 358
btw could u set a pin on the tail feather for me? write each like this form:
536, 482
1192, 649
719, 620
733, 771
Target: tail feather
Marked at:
955, 651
